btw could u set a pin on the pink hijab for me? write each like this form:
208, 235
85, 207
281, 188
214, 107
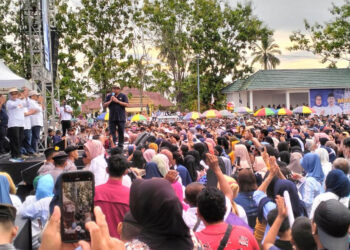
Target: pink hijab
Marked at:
259, 164
241, 151
95, 148
148, 154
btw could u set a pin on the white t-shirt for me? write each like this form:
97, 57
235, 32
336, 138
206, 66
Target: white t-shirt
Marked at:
64, 115
36, 119
27, 123
15, 111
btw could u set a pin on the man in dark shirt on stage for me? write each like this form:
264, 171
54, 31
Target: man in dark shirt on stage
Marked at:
116, 102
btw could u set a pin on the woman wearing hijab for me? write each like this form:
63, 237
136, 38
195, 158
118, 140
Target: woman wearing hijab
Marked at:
162, 162
242, 152
161, 221
337, 188
324, 157
95, 151
294, 164
37, 207
4, 190
311, 184
259, 166
16, 201
137, 160
285, 157
183, 172
190, 164
149, 154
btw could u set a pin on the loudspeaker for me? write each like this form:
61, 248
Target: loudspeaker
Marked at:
54, 51
141, 138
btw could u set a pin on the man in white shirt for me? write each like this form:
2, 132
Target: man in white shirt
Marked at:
332, 108
66, 112
36, 119
15, 109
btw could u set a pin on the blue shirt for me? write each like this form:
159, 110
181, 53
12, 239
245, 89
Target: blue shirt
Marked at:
309, 189
245, 199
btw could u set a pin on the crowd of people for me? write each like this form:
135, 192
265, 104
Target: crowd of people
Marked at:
202, 184
243, 183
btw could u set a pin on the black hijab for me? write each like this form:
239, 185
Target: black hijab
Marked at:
137, 160
190, 164
156, 208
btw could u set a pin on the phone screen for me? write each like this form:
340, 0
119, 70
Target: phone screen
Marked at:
77, 204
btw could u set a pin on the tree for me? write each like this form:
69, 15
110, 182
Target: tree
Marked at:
266, 53
223, 36
331, 40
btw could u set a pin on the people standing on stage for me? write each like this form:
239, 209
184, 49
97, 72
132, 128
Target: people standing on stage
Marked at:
26, 148
15, 108
117, 102
3, 123
66, 112
36, 119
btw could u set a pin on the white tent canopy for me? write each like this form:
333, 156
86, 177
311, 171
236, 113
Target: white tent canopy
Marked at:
8, 79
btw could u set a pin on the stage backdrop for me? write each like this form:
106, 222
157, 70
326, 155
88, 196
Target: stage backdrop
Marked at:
330, 101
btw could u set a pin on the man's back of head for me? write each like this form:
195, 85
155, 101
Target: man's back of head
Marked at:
211, 205
342, 164
117, 166
8, 230
191, 193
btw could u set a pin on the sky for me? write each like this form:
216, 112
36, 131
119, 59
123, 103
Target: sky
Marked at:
286, 16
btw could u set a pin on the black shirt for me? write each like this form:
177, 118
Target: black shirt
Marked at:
117, 111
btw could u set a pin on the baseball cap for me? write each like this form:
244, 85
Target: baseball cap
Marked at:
70, 149
13, 90
32, 92
116, 86
333, 219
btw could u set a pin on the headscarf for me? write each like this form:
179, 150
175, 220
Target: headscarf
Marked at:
337, 182
297, 205
137, 159
152, 171
242, 152
210, 147
4, 190
211, 141
324, 158
153, 146
312, 165
196, 156
294, 164
259, 164
149, 154
45, 187
285, 157
12, 185
158, 211
190, 164
168, 154
95, 148
201, 149
162, 163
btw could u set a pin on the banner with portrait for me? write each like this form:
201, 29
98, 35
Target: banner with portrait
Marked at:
330, 101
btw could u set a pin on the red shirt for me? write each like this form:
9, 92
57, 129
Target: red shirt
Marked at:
113, 198
240, 237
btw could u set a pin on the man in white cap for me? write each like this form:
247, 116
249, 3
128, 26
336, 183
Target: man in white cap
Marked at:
36, 119
15, 108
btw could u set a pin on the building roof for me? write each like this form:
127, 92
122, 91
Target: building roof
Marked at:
292, 79
150, 98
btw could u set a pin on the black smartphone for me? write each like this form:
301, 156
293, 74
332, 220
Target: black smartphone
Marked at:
77, 205
238, 161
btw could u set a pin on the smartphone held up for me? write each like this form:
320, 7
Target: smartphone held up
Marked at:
77, 205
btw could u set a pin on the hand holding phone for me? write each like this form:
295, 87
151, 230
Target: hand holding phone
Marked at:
76, 204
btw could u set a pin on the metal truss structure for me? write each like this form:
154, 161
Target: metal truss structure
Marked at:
42, 78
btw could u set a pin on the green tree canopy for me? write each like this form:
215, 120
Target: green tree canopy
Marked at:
330, 40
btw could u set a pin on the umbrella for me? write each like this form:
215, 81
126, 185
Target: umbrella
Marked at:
138, 117
230, 106
243, 110
284, 111
264, 112
103, 117
212, 113
303, 110
192, 115
226, 113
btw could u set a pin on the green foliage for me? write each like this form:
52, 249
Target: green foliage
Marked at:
331, 40
266, 51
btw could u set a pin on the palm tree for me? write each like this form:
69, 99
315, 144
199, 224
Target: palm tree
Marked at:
265, 53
